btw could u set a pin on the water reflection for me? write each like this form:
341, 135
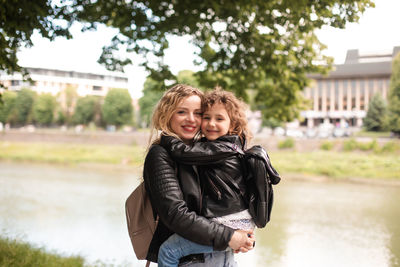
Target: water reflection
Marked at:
81, 211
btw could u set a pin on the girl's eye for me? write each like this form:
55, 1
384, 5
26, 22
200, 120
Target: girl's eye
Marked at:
206, 118
180, 112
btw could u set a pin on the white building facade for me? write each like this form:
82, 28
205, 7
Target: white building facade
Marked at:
342, 97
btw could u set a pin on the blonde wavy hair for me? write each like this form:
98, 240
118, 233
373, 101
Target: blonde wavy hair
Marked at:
235, 108
165, 108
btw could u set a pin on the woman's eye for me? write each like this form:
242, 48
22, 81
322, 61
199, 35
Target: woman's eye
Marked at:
180, 112
198, 113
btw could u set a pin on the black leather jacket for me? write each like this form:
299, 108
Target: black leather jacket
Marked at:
175, 194
220, 170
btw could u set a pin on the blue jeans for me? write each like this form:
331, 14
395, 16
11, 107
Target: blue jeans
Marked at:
176, 247
216, 258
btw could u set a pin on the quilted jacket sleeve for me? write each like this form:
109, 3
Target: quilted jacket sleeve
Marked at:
199, 153
167, 199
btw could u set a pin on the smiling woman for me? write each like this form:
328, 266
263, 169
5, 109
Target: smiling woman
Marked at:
185, 121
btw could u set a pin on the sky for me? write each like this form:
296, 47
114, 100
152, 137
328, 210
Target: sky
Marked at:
377, 30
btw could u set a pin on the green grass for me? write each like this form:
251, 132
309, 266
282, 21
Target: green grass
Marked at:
71, 153
379, 162
364, 133
287, 143
19, 254
338, 164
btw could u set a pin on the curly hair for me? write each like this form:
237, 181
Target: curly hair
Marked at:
166, 107
235, 108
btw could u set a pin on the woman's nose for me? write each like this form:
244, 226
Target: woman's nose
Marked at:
190, 117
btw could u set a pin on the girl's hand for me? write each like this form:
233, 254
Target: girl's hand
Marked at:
242, 240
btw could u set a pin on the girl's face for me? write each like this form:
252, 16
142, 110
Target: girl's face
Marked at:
216, 122
186, 120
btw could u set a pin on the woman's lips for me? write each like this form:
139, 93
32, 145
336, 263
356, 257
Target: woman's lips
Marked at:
189, 128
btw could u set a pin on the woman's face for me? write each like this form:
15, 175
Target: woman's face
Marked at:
186, 120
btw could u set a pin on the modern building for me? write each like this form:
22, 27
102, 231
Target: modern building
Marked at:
342, 97
55, 81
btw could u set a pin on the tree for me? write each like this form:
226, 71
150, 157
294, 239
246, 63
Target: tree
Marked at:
20, 19
117, 108
23, 106
394, 97
376, 119
7, 108
151, 95
88, 109
267, 46
43, 109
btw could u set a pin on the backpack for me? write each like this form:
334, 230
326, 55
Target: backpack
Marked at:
260, 176
140, 220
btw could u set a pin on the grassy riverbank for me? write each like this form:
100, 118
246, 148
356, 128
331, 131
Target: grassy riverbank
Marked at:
72, 153
19, 254
333, 163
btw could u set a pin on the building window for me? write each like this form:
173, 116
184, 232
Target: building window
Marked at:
345, 90
97, 88
336, 86
15, 82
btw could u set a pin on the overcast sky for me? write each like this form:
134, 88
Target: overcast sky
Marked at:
377, 30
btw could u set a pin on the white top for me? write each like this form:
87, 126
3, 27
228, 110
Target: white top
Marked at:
240, 220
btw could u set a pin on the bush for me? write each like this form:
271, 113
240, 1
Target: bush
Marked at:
326, 145
287, 143
389, 147
350, 145
373, 145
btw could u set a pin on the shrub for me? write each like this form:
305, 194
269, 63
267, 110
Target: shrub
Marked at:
287, 143
389, 147
326, 145
373, 145
350, 145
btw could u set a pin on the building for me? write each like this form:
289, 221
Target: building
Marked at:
342, 97
55, 81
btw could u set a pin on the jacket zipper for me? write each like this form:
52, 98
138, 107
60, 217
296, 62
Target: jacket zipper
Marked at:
215, 189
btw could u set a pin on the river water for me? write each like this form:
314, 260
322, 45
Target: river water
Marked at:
73, 211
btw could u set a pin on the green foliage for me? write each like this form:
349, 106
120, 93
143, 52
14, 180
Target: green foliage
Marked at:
88, 109
23, 106
267, 46
147, 103
394, 97
327, 145
21, 254
44, 108
7, 109
287, 143
376, 119
350, 145
117, 108
19, 19
69, 97
187, 77
390, 147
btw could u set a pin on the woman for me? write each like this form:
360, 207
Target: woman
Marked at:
174, 189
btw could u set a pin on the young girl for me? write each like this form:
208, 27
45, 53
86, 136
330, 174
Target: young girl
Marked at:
218, 158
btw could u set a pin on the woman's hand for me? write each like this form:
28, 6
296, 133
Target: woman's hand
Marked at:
242, 240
